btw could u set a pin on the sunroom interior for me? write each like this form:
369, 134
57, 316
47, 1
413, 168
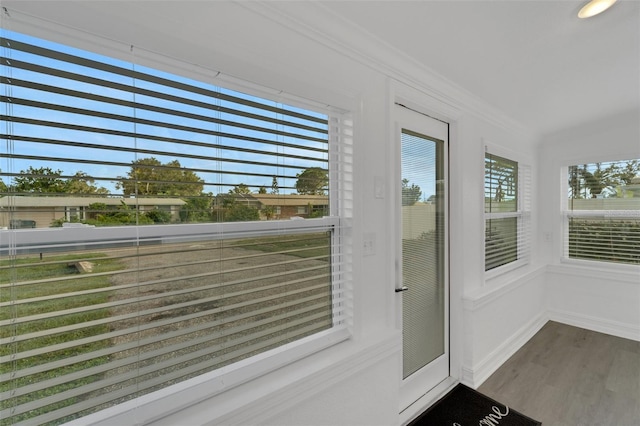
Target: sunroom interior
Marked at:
513, 82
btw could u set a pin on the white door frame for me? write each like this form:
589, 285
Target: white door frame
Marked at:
427, 104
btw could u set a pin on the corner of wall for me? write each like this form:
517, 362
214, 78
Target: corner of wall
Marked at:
503, 319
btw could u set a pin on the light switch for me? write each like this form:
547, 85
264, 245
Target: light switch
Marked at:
378, 186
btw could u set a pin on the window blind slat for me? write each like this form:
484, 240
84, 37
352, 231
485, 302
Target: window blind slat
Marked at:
139, 151
138, 299
155, 95
159, 124
166, 364
141, 388
614, 240
125, 134
181, 264
318, 301
164, 349
129, 73
258, 303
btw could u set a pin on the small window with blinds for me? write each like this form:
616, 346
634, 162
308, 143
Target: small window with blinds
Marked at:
155, 228
506, 195
603, 214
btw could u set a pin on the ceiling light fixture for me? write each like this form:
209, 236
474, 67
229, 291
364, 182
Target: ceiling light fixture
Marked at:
595, 7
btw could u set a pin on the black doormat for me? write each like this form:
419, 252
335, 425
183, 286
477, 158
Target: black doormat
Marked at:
464, 406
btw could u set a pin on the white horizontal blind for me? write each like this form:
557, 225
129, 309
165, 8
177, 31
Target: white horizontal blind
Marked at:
149, 233
423, 249
603, 215
507, 212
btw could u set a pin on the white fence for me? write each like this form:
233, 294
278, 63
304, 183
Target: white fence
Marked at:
418, 219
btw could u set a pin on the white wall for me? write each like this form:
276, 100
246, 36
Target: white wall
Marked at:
302, 51
594, 295
502, 312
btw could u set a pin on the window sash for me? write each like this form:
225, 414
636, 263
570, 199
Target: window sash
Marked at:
500, 184
292, 291
501, 244
602, 219
603, 236
507, 214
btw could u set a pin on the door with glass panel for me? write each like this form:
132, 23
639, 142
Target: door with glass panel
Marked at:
422, 273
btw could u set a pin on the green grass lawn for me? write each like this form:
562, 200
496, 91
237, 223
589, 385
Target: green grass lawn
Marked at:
49, 285
18, 282
305, 245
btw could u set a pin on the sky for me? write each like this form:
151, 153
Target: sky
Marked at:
418, 163
220, 161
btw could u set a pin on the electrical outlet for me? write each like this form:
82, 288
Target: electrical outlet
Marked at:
369, 244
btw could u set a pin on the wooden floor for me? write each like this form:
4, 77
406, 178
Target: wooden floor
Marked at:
568, 376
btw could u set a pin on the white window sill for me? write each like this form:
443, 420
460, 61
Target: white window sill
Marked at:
594, 269
504, 272
223, 398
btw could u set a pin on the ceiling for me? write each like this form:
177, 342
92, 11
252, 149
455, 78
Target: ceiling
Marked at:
533, 60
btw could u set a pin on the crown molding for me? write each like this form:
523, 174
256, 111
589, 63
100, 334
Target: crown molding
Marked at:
316, 22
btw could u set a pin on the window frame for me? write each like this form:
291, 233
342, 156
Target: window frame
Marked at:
217, 381
522, 214
567, 214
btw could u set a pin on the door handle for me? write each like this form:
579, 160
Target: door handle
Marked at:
401, 289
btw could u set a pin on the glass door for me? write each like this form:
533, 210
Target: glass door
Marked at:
423, 251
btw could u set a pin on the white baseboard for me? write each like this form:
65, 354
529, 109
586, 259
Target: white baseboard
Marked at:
614, 328
474, 376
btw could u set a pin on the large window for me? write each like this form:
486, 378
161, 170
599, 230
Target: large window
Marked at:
603, 212
507, 217
147, 229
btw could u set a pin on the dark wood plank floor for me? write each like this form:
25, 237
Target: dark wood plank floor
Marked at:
568, 376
